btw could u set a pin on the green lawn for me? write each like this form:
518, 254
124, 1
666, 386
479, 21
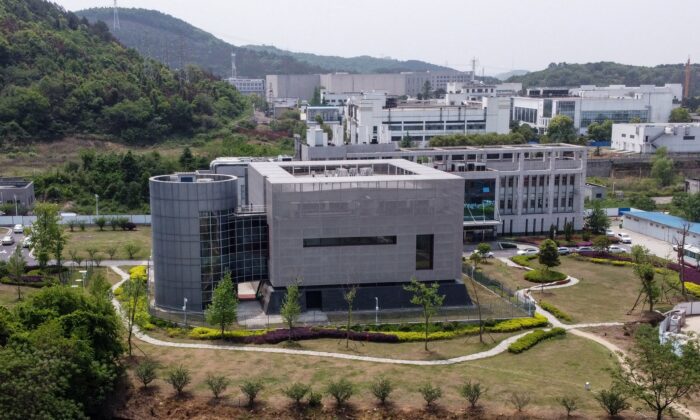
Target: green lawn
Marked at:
8, 294
605, 293
101, 241
548, 371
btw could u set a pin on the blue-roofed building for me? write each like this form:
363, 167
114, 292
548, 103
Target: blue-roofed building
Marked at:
660, 226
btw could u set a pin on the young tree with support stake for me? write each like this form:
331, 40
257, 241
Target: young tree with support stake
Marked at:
428, 298
133, 289
291, 308
224, 304
349, 297
16, 265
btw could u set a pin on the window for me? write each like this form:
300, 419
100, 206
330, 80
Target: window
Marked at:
424, 252
688, 137
349, 241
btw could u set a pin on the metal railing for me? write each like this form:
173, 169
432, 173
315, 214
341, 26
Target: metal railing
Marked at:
499, 289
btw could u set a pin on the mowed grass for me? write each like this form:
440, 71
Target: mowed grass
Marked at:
8, 294
92, 237
550, 370
605, 293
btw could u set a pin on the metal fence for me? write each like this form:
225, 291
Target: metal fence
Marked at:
499, 289
139, 219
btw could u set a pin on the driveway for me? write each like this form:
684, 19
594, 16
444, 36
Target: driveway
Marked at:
656, 246
7, 250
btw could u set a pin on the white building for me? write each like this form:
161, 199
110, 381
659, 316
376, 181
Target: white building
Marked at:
458, 93
372, 119
336, 98
647, 138
248, 86
589, 104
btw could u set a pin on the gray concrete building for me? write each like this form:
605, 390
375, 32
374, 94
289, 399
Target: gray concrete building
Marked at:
374, 224
17, 191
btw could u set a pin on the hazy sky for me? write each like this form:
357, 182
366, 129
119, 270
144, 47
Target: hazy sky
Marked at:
502, 34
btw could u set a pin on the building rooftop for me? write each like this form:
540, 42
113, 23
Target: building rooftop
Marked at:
664, 219
347, 171
11, 182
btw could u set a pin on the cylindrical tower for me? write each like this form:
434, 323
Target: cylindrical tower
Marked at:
190, 219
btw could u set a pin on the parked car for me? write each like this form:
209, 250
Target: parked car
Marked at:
564, 250
18, 229
614, 249
624, 238
585, 248
27, 242
528, 251
609, 232
487, 255
8, 240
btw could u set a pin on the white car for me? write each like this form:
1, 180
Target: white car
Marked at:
18, 229
27, 242
609, 232
528, 251
585, 248
624, 238
614, 249
487, 255
8, 240
564, 250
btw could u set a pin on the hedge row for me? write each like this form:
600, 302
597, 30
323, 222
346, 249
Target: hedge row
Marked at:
309, 333
693, 288
562, 316
523, 260
544, 276
530, 340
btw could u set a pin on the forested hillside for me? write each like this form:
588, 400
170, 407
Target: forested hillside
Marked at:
61, 75
173, 41
606, 73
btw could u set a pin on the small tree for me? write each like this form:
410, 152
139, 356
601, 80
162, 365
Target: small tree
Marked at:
16, 265
570, 404
381, 389
650, 290
251, 388
111, 251
601, 243
428, 298
662, 167
612, 401
552, 232
341, 391
217, 384
349, 297
75, 257
483, 249
655, 375
291, 308
472, 392
549, 254
114, 223
100, 222
146, 372
224, 304
133, 289
568, 231
520, 400
72, 224
131, 250
430, 393
296, 392
597, 221
93, 255
178, 377
81, 225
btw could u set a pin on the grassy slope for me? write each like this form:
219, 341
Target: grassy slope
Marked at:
93, 238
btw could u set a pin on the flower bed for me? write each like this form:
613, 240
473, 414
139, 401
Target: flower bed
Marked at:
530, 340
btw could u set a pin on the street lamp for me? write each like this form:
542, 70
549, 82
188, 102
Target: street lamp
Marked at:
376, 310
97, 204
16, 212
184, 309
83, 274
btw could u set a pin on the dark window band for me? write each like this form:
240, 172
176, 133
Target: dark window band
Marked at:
358, 240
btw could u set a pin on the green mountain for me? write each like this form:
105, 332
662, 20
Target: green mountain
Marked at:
606, 73
360, 64
60, 75
173, 41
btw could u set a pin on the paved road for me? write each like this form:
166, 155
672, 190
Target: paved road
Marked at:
7, 250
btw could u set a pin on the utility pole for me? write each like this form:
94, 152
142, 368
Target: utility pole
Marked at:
234, 71
686, 85
115, 24
473, 69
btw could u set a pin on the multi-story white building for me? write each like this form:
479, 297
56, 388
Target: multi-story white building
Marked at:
373, 119
458, 93
647, 138
589, 104
248, 86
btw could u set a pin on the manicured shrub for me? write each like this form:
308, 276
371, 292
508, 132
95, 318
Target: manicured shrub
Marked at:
296, 392
340, 390
472, 391
381, 389
544, 276
692, 288
430, 393
314, 399
520, 400
612, 401
524, 260
562, 316
146, 372
530, 340
251, 388
518, 324
179, 377
217, 384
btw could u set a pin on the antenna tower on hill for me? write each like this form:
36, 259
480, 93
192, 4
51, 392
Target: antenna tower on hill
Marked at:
116, 17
